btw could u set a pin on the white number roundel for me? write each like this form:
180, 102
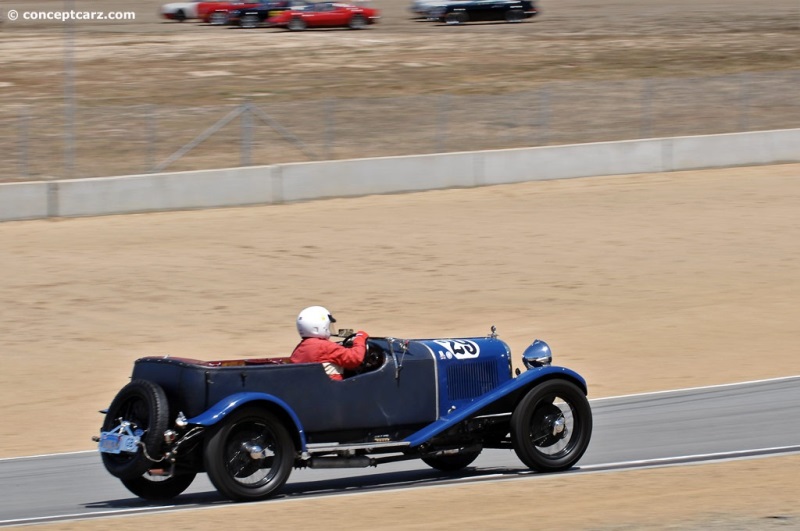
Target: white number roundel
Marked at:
459, 349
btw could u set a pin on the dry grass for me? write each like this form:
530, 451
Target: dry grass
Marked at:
323, 85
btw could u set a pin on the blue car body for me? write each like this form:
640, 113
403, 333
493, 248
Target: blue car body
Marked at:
435, 399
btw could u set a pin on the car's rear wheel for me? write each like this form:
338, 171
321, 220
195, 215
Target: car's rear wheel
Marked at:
551, 426
180, 15
250, 456
357, 22
143, 405
249, 21
218, 18
456, 17
297, 24
154, 487
452, 462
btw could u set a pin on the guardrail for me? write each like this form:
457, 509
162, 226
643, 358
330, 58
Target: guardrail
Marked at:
357, 177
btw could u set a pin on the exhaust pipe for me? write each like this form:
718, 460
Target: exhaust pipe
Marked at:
359, 461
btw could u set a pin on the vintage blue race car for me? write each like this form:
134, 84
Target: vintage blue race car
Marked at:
249, 422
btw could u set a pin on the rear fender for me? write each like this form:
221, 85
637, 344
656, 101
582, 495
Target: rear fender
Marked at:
527, 379
228, 405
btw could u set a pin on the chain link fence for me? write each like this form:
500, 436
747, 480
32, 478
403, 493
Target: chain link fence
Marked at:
113, 139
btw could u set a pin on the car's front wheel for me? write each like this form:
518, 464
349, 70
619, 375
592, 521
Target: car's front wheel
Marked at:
551, 426
514, 15
153, 487
297, 24
357, 22
250, 456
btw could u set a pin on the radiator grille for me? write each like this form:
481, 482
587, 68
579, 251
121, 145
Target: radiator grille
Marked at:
467, 380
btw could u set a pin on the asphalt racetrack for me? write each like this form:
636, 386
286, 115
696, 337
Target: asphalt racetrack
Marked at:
746, 420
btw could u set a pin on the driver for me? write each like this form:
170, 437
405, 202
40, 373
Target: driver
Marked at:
314, 326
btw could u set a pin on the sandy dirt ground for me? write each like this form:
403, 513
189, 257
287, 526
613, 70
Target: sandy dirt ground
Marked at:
640, 283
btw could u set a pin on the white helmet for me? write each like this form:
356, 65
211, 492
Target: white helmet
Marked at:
315, 321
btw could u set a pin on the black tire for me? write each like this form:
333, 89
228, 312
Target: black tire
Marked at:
455, 18
357, 22
218, 18
453, 462
249, 21
232, 470
158, 488
535, 421
145, 406
515, 15
296, 24
180, 16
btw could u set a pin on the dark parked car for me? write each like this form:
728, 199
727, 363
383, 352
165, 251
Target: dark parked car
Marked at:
249, 422
252, 17
485, 10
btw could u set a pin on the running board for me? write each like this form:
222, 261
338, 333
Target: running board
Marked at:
327, 448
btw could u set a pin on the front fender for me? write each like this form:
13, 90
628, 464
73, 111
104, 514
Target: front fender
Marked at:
526, 379
224, 407
540, 373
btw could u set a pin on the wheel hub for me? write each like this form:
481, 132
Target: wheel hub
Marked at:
256, 452
559, 427
550, 427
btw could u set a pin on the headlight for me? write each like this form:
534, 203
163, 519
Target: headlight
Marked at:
537, 355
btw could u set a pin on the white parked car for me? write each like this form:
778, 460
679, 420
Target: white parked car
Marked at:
180, 11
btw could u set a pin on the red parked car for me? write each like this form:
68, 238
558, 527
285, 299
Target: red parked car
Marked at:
326, 15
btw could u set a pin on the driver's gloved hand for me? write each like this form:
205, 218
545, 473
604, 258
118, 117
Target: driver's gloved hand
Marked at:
361, 334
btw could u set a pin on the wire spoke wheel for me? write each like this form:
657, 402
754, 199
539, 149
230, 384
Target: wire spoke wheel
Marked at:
551, 426
250, 455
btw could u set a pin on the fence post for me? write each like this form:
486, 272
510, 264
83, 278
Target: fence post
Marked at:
544, 116
645, 119
330, 126
744, 102
24, 119
441, 125
69, 95
246, 134
151, 132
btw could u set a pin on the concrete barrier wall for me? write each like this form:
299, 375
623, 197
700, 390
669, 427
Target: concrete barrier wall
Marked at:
304, 181
165, 191
347, 178
740, 149
24, 201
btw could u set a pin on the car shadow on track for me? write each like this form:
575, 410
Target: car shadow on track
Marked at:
328, 487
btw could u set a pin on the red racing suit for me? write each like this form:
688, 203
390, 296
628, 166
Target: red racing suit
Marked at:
334, 357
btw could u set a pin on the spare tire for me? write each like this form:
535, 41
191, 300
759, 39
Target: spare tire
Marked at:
144, 405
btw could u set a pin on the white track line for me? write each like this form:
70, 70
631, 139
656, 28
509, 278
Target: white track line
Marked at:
622, 466
701, 388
